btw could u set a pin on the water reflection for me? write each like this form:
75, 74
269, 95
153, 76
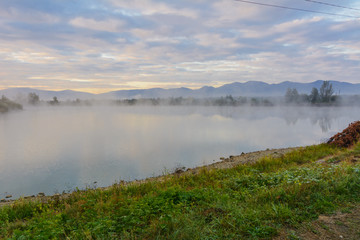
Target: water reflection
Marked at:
55, 149
317, 116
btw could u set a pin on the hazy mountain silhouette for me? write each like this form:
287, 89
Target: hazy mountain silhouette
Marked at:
22, 94
248, 89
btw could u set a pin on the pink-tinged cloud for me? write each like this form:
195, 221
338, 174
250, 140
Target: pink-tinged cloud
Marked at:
102, 45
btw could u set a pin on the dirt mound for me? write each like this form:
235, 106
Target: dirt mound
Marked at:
348, 137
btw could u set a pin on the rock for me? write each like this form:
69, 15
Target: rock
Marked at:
41, 194
321, 161
222, 158
56, 197
8, 196
242, 153
2, 200
179, 170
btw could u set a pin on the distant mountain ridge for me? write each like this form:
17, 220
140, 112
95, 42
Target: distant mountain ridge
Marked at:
22, 93
247, 89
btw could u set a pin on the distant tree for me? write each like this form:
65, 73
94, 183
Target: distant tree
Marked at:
267, 102
131, 101
176, 101
155, 101
4, 99
254, 102
304, 98
314, 95
55, 101
326, 92
230, 100
292, 95
6, 104
33, 98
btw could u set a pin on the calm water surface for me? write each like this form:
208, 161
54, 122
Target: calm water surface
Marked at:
56, 149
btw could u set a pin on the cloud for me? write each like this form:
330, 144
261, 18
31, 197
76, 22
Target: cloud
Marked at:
151, 7
216, 41
101, 45
109, 25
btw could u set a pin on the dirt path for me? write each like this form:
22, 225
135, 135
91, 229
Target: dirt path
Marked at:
337, 226
251, 157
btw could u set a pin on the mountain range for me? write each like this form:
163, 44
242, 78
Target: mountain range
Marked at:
247, 89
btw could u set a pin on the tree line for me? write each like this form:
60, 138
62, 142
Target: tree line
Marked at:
34, 99
324, 95
7, 105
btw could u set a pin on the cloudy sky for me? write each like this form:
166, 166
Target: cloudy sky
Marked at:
103, 45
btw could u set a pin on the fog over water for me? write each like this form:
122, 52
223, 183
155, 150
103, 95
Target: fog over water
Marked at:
58, 148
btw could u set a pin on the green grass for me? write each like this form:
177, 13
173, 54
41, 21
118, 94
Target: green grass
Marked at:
246, 202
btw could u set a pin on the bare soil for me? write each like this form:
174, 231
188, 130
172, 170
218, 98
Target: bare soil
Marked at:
341, 225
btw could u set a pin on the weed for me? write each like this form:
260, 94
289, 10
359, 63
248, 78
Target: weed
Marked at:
292, 235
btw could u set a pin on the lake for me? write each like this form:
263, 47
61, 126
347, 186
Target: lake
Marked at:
61, 148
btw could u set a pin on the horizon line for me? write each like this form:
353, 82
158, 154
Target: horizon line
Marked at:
89, 90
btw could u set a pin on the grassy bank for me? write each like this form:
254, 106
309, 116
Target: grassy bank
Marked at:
251, 201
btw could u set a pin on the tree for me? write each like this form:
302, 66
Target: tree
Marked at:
6, 104
4, 99
326, 92
314, 95
33, 98
55, 101
292, 95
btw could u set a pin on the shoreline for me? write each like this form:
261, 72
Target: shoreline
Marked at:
230, 162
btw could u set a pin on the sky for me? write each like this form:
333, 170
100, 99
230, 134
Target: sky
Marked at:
105, 45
